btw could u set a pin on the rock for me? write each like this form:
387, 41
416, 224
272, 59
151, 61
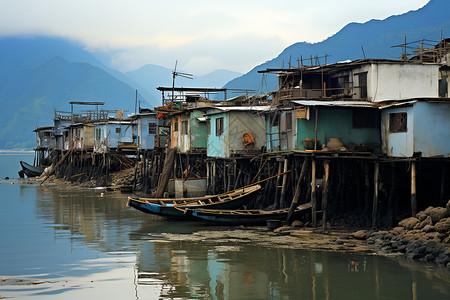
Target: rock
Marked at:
428, 210
282, 229
429, 228
437, 214
297, 223
446, 240
443, 226
361, 234
398, 230
421, 215
409, 223
443, 259
427, 221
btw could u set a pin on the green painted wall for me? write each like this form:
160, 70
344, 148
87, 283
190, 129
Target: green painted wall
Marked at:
337, 122
198, 132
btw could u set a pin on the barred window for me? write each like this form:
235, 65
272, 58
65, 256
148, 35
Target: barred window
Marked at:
208, 126
152, 128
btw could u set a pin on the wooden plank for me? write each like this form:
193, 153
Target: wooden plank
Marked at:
167, 170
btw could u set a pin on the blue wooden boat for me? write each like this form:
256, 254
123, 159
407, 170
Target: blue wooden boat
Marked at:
176, 207
244, 217
29, 170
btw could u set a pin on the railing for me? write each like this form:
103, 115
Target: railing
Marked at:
90, 116
313, 93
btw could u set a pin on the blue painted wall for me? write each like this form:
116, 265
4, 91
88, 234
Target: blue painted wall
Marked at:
428, 130
218, 146
432, 128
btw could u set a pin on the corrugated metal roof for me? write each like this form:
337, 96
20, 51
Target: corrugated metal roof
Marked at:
336, 103
405, 103
243, 108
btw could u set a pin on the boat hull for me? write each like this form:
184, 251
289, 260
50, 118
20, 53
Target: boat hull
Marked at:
178, 208
244, 217
29, 170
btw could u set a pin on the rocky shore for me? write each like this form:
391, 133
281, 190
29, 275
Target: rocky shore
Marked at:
425, 236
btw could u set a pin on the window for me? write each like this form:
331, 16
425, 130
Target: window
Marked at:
398, 122
208, 126
362, 79
175, 126
184, 127
288, 121
151, 128
443, 87
98, 134
118, 130
365, 118
219, 126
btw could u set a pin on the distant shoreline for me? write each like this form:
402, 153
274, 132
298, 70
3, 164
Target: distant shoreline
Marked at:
16, 152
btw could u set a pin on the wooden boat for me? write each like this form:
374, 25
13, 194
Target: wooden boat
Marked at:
176, 207
29, 170
244, 217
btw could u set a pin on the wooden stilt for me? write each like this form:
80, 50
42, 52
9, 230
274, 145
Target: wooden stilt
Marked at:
213, 177
313, 193
326, 166
413, 189
375, 194
294, 203
283, 186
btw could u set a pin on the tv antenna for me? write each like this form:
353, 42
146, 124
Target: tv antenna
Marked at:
180, 74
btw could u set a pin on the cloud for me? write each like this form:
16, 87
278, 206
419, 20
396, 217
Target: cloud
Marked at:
234, 34
201, 56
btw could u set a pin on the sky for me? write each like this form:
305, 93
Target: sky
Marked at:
202, 35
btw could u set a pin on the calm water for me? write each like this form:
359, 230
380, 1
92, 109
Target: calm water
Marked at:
83, 245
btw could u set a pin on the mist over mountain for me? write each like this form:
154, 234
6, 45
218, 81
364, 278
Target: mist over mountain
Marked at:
31, 96
374, 37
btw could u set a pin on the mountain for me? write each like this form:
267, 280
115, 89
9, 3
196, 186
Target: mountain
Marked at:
18, 53
30, 97
152, 76
375, 37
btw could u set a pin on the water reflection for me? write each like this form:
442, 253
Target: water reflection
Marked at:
95, 243
243, 272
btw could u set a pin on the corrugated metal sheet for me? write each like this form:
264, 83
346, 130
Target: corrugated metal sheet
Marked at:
335, 103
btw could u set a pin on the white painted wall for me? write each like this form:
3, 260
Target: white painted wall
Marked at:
402, 81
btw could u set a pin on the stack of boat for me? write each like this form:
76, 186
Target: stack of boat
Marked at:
219, 209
